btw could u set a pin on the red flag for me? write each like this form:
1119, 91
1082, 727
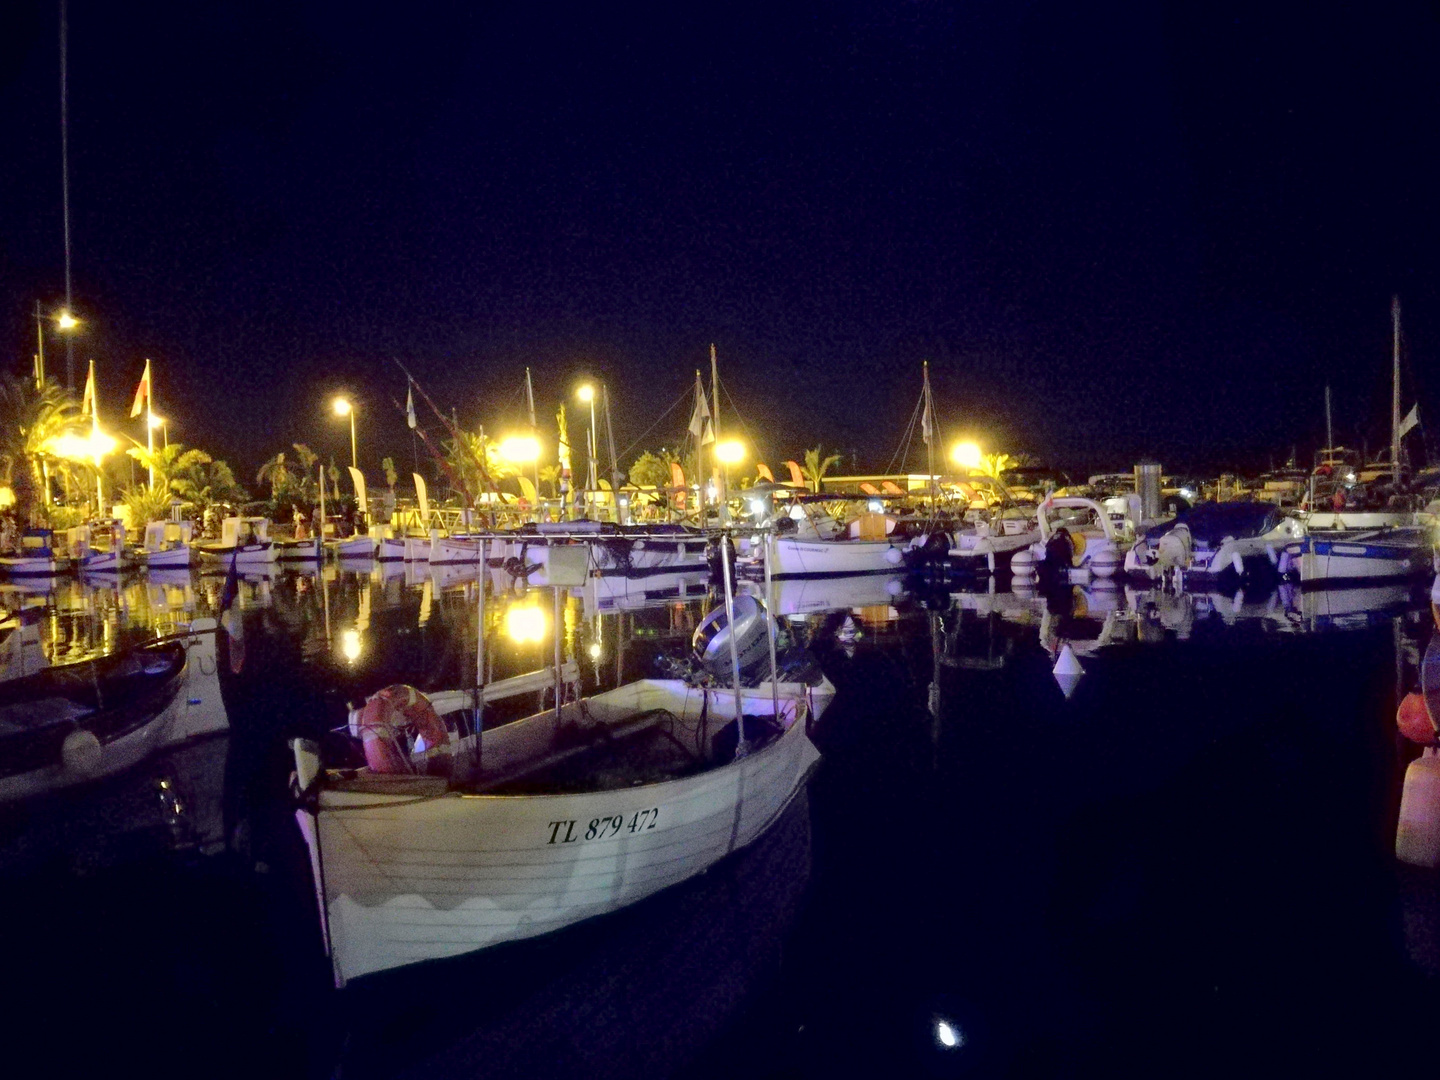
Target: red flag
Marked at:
142, 392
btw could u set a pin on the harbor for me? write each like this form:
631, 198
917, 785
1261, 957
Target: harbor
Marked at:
863, 540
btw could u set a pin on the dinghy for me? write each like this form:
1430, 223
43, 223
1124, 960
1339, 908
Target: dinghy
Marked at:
68, 725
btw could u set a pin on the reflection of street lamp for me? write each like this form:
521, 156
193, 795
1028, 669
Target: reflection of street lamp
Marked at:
524, 624
350, 645
343, 407
586, 393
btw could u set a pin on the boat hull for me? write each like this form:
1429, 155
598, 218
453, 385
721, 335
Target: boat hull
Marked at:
1316, 561
833, 558
402, 880
262, 554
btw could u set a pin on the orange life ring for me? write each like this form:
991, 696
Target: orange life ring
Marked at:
1414, 720
384, 722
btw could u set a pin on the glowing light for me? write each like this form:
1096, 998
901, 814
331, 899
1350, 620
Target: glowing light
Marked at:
966, 454
586, 393
730, 452
66, 321
94, 446
948, 1035
155, 421
595, 650
875, 506
520, 448
7, 496
524, 624
342, 406
350, 645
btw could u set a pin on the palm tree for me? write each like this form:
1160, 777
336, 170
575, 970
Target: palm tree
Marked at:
170, 463
207, 483
29, 418
277, 473
816, 465
147, 504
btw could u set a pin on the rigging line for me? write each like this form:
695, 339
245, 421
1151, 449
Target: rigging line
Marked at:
656, 424
902, 452
749, 435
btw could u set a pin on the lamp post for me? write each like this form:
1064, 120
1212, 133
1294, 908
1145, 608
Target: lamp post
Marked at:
586, 393
154, 421
65, 322
344, 407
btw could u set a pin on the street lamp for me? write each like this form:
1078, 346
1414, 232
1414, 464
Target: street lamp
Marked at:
161, 423
343, 407
586, 393
966, 454
730, 452
64, 322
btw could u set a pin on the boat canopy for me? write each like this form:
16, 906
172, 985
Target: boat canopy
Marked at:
1213, 522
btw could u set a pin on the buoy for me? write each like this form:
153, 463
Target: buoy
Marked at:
81, 752
1417, 834
1105, 562
894, 587
1413, 720
1022, 561
1067, 671
893, 556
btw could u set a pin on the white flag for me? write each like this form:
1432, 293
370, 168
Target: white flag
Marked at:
409, 407
1412, 419
700, 418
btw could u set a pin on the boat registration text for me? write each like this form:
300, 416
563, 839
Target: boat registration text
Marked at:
603, 828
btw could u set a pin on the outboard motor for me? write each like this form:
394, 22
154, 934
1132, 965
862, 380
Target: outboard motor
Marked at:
712, 639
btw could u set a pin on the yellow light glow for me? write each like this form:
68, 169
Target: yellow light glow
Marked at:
66, 321
730, 452
350, 645
966, 454
342, 406
156, 421
7, 497
520, 448
595, 650
586, 393
525, 623
93, 446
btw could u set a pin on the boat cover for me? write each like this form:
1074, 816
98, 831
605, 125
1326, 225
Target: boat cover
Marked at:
1211, 522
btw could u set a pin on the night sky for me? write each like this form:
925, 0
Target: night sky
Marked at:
1114, 229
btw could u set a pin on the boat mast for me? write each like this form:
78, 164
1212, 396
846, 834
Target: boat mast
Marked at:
1395, 395
534, 433
927, 428
721, 495
1329, 432
95, 440
701, 413
65, 185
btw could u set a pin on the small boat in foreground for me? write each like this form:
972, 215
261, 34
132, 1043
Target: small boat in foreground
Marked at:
565, 815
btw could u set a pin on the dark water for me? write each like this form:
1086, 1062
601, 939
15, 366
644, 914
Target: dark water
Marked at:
1184, 869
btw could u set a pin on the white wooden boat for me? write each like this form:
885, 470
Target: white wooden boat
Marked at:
354, 547
67, 725
36, 557
454, 550
309, 550
1373, 555
244, 540
169, 545
790, 557
99, 546
411, 868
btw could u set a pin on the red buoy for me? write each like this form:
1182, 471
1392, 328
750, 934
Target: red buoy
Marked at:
1414, 721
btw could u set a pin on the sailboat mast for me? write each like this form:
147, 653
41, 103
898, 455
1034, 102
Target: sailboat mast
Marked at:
1329, 431
610, 439
1395, 394
95, 440
721, 495
534, 429
928, 428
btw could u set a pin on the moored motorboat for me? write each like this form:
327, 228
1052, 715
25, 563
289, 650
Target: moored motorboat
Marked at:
1364, 555
169, 545
1215, 539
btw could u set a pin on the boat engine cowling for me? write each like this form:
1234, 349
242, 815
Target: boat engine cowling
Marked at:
711, 641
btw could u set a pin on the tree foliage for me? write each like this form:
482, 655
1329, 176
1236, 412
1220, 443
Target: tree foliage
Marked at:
817, 464
29, 418
650, 470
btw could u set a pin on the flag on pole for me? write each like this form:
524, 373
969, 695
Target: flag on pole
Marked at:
87, 402
700, 425
1412, 419
563, 443
142, 393
409, 407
